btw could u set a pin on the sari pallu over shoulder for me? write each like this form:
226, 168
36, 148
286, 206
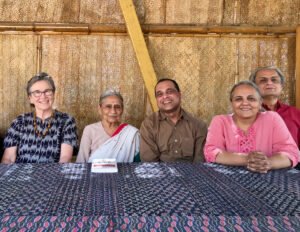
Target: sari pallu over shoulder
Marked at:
123, 145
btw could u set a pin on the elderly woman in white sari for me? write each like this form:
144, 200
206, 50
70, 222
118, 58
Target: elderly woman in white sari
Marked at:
109, 138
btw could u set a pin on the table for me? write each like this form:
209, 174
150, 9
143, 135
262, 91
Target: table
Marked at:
147, 197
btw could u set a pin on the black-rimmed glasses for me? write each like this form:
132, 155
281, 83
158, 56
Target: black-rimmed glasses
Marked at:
47, 93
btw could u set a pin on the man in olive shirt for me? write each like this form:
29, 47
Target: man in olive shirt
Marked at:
171, 134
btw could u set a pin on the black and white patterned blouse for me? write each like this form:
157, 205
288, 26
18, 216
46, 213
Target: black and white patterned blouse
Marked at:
41, 149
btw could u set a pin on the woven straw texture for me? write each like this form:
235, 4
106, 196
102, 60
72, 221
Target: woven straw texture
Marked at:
202, 12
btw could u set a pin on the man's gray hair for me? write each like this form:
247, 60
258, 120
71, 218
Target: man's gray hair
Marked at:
245, 83
110, 93
40, 77
280, 74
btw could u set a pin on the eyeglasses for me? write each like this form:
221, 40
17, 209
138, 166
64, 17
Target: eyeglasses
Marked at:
47, 93
109, 107
274, 80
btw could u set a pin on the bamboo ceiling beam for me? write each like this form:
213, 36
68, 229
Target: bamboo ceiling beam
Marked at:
298, 67
146, 28
140, 48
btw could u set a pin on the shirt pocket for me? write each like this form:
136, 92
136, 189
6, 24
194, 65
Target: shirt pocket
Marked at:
181, 147
187, 147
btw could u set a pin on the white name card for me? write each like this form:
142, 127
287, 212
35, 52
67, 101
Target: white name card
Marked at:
104, 166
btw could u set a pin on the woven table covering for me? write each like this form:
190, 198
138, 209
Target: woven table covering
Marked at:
148, 197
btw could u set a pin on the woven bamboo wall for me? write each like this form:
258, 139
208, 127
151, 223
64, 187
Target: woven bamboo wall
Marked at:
83, 66
203, 12
207, 67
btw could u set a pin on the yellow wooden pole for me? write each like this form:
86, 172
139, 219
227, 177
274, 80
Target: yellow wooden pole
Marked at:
298, 67
140, 48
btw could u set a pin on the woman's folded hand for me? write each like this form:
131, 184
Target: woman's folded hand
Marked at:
258, 162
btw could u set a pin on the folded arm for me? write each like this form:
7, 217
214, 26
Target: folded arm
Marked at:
230, 158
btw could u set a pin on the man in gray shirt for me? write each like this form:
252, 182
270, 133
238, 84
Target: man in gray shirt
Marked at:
171, 134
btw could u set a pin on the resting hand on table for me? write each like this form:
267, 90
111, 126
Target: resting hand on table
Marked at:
258, 162
255, 161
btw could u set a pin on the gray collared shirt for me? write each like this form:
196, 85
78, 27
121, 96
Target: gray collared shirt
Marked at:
162, 140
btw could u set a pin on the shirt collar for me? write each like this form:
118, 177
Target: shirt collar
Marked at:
162, 116
277, 106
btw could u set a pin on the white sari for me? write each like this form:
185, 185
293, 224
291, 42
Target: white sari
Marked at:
123, 145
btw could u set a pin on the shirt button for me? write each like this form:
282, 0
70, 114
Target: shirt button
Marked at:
175, 140
176, 151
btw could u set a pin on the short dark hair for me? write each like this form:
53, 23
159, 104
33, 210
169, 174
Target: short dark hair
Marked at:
167, 79
280, 74
245, 83
40, 77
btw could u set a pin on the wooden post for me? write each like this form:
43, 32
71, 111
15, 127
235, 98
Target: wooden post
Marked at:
140, 48
298, 67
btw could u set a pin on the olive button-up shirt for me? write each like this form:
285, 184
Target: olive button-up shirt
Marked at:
162, 140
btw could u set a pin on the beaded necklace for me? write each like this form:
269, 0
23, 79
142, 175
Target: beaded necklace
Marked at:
35, 127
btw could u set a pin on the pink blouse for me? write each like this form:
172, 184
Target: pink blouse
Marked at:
268, 134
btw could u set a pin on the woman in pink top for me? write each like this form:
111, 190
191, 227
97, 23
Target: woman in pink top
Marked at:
248, 137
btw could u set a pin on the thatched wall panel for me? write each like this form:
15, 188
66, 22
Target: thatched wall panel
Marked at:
201, 12
85, 66
262, 13
39, 11
207, 67
109, 12
95, 11
155, 11
202, 66
270, 12
67, 11
279, 52
195, 12
231, 12
17, 63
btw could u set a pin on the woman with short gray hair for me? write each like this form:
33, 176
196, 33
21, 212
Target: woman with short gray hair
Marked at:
257, 140
45, 135
109, 138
